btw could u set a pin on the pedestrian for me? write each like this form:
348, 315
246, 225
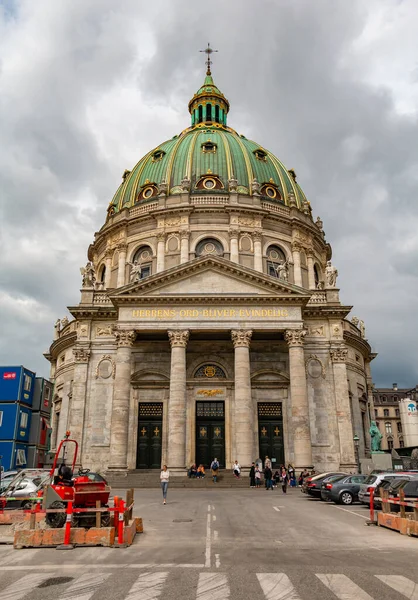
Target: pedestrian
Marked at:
276, 478
290, 470
267, 476
236, 467
200, 472
257, 476
215, 468
284, 480
252, 475
164, 479
267, 462
293, 480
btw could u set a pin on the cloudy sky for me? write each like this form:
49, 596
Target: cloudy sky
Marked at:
89, 86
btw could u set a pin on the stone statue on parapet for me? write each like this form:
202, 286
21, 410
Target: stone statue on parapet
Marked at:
362, 328
57, 329
135, 274
375, 436
89, 275
355, 321
331, 274
282, 270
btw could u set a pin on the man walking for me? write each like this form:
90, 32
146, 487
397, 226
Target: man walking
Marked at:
215, 468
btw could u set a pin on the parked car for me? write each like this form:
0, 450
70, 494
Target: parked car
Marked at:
314, 486
373, 481
410, 490
25, 484
342, 490
6, 478
312, 478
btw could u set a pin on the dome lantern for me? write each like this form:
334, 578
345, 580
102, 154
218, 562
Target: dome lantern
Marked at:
208, 105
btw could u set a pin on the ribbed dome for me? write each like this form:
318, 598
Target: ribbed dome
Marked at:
203, 150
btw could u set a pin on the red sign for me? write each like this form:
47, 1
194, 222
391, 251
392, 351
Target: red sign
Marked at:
9, 375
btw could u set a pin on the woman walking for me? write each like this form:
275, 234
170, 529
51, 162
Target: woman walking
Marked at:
284, 480
252, 475
164, 479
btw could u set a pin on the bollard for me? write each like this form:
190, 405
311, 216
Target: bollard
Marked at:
121, 543
32, 522
98, 514
116, 519
371, 521
67, 534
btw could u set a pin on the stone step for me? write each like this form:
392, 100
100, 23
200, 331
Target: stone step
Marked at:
151, 479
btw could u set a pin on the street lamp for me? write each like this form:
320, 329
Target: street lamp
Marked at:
356, 445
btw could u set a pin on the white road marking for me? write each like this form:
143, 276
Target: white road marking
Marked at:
343, 587
401, 584
148, 586
103, 567
214, 517
208, 542
84, 587
217, 561
212, 587
276, 508
25, 585
277, 586
213, 508
350, 511
208, 507
215, 536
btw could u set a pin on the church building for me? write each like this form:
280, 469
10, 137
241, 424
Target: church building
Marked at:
210, 323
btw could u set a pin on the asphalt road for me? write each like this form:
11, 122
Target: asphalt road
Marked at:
219, 544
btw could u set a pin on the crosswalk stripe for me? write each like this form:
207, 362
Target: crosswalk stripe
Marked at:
148, 586
343, 587
401, 584
212, 586
85, 586
277, 586
23, 586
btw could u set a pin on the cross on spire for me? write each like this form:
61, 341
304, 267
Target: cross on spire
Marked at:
208, 51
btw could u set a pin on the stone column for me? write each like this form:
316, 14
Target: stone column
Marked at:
244, 434
233, 242
311, 272
184, 246
299, 428
177, 401
343, 409
258, 254
108, 263
297, 272
121, 264
78, 399
121, 399
160, 251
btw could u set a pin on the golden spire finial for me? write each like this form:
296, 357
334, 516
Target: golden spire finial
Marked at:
208, 51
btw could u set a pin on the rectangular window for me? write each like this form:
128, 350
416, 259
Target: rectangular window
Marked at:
27, 384
388, 427
399, 426
397, 412
24, 420
390, 444
401, 444
375, 413
386, 412
145, 271
1, 417
20, 457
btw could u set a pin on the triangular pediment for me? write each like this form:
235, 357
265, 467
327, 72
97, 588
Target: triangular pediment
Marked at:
210, 277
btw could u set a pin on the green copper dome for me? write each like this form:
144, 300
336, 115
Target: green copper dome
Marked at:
208, 157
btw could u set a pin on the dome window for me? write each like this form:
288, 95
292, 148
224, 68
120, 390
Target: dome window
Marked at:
260, 154
147, 192
209, 182
209, 146
271, 191
158, 155
209, 246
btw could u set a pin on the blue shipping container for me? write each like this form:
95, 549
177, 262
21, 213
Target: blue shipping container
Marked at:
42, 396
14, 455
17, 384
14, 422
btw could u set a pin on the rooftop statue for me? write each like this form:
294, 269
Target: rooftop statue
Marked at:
89, 275
331, 274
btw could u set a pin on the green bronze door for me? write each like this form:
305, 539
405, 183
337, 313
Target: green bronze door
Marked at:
270, 432
210, 433
150, 421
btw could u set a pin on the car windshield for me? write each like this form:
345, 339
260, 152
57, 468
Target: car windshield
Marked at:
370, 479
335, 478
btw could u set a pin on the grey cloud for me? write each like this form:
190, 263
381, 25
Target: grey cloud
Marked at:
290, 74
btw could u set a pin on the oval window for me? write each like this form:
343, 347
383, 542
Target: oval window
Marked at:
147, 193
209, 184
270, 191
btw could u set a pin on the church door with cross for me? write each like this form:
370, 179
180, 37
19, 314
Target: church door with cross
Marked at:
270, 432
150, 425
210, 433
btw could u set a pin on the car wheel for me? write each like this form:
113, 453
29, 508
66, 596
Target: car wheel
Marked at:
346, 498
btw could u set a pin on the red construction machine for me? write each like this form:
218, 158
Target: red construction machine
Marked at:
84, 490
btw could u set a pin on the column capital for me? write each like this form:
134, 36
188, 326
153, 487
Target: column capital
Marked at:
161, 236
81, 355
338, 354
125, 338
297, 247
122, 247
108, 253
234, 233
184, 234
257, 235
241, 337
178, 338
310, 252
295, 337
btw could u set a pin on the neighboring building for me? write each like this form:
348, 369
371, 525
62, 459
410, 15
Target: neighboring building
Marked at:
210, 323
387, 413
23, 432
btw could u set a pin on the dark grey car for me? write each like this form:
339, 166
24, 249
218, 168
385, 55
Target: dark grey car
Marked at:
343, 490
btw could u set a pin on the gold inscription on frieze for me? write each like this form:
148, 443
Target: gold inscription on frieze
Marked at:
210, 393
210, 313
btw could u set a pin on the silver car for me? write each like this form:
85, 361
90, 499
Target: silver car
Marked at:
372, 482
24, 485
